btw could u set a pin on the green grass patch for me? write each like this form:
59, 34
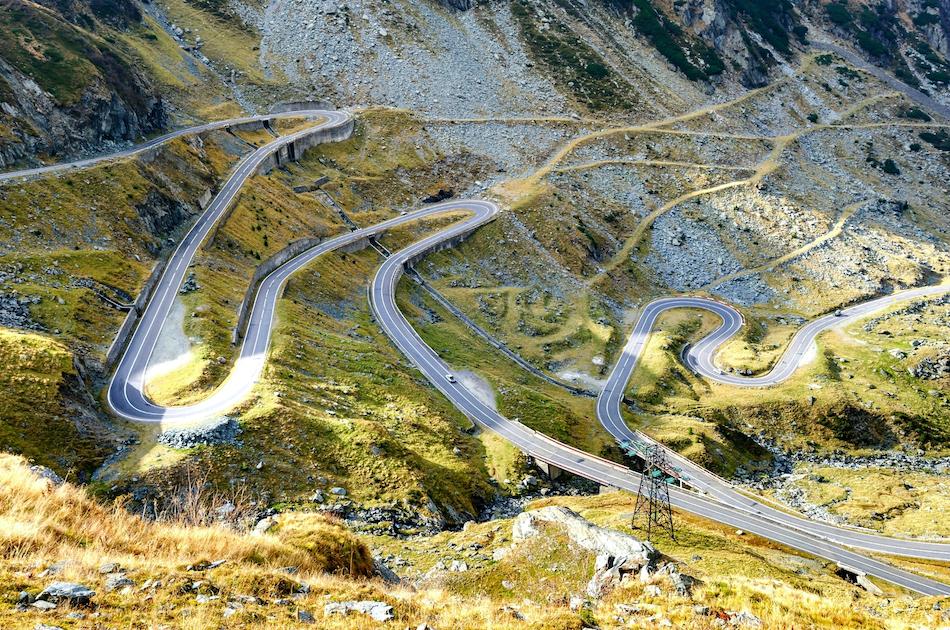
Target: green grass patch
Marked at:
38, 419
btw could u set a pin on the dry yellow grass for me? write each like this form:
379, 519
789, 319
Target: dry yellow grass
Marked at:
42, 525
39, 521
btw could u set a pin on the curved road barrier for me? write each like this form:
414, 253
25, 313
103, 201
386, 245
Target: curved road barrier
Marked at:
126, 395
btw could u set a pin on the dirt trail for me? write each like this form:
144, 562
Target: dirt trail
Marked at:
834, 232
625, 162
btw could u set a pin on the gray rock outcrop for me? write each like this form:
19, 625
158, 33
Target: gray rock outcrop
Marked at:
932, 368
45, 473
583, 533
222, 431
67, 592
379, 611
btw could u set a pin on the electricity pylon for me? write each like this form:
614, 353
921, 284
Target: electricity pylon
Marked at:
653, 496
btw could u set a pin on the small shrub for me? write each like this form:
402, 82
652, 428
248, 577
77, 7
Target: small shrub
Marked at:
890, 167
838, 13
940, 140
915, 113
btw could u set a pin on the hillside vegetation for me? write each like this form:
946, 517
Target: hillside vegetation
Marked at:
186, 574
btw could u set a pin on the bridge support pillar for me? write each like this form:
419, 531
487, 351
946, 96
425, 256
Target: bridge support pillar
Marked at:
859, 577
550, 470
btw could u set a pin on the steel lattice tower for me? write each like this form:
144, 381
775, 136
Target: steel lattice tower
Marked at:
653, 495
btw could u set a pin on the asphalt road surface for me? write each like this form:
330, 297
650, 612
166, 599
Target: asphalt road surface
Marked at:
126, 389
776, 525
700, 359
154, 142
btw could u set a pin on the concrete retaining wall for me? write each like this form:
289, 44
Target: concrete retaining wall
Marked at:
452, 242
293, 151
300, 146
283, 256
205, 198
252, 125
269, 265
295, 106
125, 330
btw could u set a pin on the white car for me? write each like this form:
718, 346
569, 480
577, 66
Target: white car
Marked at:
450, 377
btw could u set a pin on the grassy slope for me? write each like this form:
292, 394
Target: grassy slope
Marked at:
337, 401
104, 226
734, 573
38, 389
521, 395
529, 588
234, 48
898, 503
189, 84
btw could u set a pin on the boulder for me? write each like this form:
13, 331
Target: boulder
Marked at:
264, 525
600, 540
380, 611
383, 571
221, 431
45, 473
117, 581
742, 619
69, 592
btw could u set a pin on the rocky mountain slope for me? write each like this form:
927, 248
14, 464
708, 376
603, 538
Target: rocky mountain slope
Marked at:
67, 83
77, 74
639, 148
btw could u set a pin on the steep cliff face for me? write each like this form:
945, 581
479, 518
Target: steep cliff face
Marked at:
66, 83
910, 37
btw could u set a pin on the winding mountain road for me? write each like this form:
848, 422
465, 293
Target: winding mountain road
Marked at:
126, 396
156, 141
126, 392
734, 509
700, 358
